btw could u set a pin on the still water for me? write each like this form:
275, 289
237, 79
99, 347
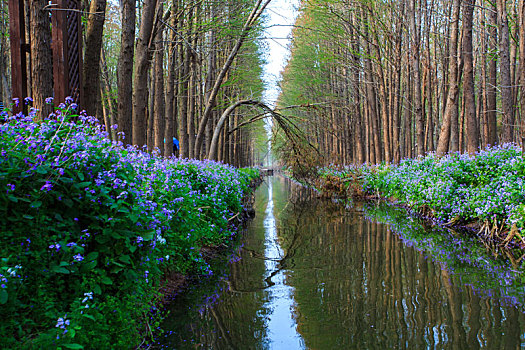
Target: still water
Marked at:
312, 274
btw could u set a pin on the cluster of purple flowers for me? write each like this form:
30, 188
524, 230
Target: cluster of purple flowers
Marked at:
102, 196
486, 186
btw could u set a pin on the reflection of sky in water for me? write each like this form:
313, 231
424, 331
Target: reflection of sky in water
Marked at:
281, 326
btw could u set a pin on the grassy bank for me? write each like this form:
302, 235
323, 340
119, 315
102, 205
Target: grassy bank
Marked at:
89, 228
485, 190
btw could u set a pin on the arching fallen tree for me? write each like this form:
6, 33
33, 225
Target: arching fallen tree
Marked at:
293, 133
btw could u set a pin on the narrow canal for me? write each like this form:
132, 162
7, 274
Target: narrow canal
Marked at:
312, 274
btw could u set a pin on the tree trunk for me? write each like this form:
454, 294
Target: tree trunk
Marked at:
250, 22
371, 99
492, 79
91, 69
183, 103
171, 101
384, 102
159, 116
468, 83
418, 109
107, 93
453, 90
506, 88
41, 57
125, 70
521, 21
142, 66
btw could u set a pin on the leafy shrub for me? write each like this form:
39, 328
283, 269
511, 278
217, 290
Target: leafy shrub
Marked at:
88, 229
486, 186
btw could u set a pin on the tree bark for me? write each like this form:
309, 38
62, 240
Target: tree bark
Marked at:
418, 109
492, 79
41, 57
506, 88
468, 83
521, 21
183, 103
453, 90
107, 92
171, 100
371, 98
125, 71
142, 65
93, 48
159, 116
250, 22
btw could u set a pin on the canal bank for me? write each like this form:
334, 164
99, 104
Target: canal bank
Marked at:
483, 192
311, 273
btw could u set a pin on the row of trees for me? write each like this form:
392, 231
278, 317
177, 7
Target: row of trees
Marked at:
161, 69
386, 80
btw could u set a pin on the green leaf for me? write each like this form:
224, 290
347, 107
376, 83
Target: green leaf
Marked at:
148, 236
92, 256
106, 280
59, 269
89, 316
73, 346
36, 204
89, 265
3, 296
12, 198
116, 269
28, 217
118, 264
125, 258
96, 289
81, 176
41, 170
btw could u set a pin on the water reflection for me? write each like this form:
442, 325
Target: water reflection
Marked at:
315, 275
280, 324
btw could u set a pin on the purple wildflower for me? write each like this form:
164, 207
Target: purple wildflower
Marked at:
47, 187
78, 257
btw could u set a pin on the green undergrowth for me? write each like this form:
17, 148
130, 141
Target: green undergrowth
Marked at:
486, 188
89, 229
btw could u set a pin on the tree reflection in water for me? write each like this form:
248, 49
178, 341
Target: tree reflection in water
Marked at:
336, 278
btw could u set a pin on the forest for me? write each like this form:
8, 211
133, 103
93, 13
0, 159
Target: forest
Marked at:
160, 70
132, 135
389, 80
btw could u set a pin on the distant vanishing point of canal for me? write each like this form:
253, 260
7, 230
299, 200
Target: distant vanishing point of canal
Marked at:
312, 274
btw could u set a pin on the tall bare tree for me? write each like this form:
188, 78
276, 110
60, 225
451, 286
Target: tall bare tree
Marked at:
93, 48
506, 82
41, 56
468, 85
125, 69
143, 56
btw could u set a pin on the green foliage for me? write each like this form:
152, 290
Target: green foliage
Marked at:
89, 229
486, 187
